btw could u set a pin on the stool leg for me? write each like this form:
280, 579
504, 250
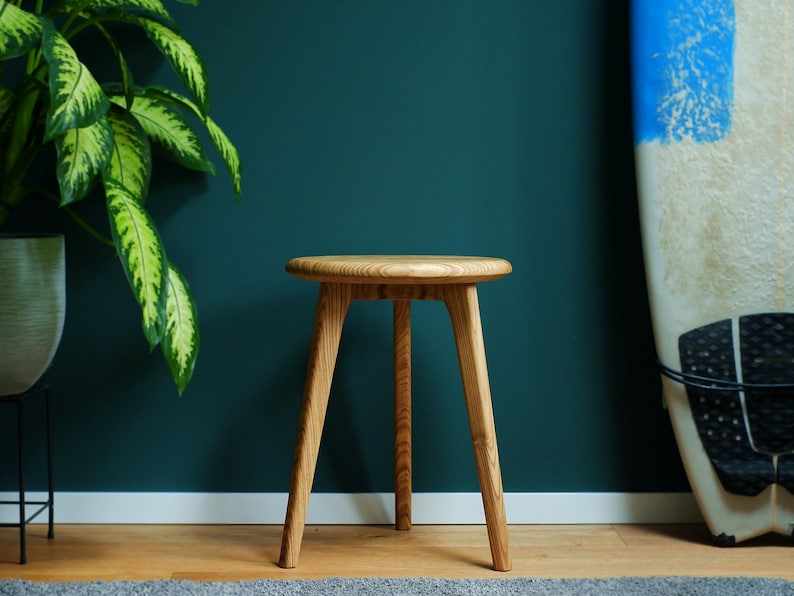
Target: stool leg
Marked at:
463, 306
402, 414
332, 305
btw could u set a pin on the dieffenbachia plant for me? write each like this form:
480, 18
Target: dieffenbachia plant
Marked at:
102, 135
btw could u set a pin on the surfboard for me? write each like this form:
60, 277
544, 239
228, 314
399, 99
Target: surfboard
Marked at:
713, 96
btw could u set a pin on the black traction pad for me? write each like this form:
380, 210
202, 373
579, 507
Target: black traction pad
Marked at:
768, 358
708, 352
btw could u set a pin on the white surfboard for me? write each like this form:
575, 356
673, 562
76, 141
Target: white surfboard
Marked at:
714, 143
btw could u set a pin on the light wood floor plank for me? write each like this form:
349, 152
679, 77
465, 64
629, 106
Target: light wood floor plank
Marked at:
234, 552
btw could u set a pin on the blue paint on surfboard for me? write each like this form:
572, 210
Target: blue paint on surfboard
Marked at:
683, 69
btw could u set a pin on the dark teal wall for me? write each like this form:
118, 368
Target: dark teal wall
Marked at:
427, 126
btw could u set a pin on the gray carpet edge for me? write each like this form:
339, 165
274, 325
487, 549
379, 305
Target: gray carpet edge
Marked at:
337, 586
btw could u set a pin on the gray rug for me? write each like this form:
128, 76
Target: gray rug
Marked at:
689, 586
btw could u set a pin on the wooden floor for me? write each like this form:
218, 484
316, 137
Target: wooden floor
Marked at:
226, 553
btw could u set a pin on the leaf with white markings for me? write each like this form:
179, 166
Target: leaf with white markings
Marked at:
76, 99
131, 163
151, 8
226, 149
20, 31
184, 59
142, 257
83, 154
169, 128
181, 338
229, 154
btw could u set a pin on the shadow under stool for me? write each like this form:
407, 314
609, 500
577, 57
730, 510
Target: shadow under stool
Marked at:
401, 279
19, 401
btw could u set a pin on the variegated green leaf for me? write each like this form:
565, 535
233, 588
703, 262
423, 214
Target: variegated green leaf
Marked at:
184, 59
76, 99
142, 257
6, 101
191, 2
225, 147
181, 338
20, 31
169, 128
152, 8
83, 154
131, 163
170, 96
229, 154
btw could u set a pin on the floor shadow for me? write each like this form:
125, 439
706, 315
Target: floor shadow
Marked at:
698, 533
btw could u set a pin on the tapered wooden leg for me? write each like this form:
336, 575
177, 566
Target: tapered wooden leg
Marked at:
402, 414
332, 305
461, 300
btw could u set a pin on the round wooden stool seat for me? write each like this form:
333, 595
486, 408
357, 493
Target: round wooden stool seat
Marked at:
399, 269
400, 279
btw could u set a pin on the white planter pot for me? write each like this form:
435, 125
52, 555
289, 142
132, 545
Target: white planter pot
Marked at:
32, 307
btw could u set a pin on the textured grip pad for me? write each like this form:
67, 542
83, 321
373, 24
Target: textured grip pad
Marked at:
708, 352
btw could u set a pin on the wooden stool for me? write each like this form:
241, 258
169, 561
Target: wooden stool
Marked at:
400, 279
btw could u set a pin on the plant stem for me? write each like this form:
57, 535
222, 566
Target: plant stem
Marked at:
89, 228
75, 217
8, 202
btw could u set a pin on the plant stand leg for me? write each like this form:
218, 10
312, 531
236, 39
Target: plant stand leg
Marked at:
50, 490
23, 557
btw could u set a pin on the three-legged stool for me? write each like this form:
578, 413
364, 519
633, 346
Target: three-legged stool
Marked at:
399, 279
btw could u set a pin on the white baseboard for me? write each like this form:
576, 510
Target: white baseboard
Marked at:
358, 508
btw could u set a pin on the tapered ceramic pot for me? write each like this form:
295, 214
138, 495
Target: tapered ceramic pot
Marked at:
32, 307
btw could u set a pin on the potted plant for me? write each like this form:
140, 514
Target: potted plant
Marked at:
101, 134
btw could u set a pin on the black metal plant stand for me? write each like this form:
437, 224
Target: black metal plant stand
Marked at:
20, 399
